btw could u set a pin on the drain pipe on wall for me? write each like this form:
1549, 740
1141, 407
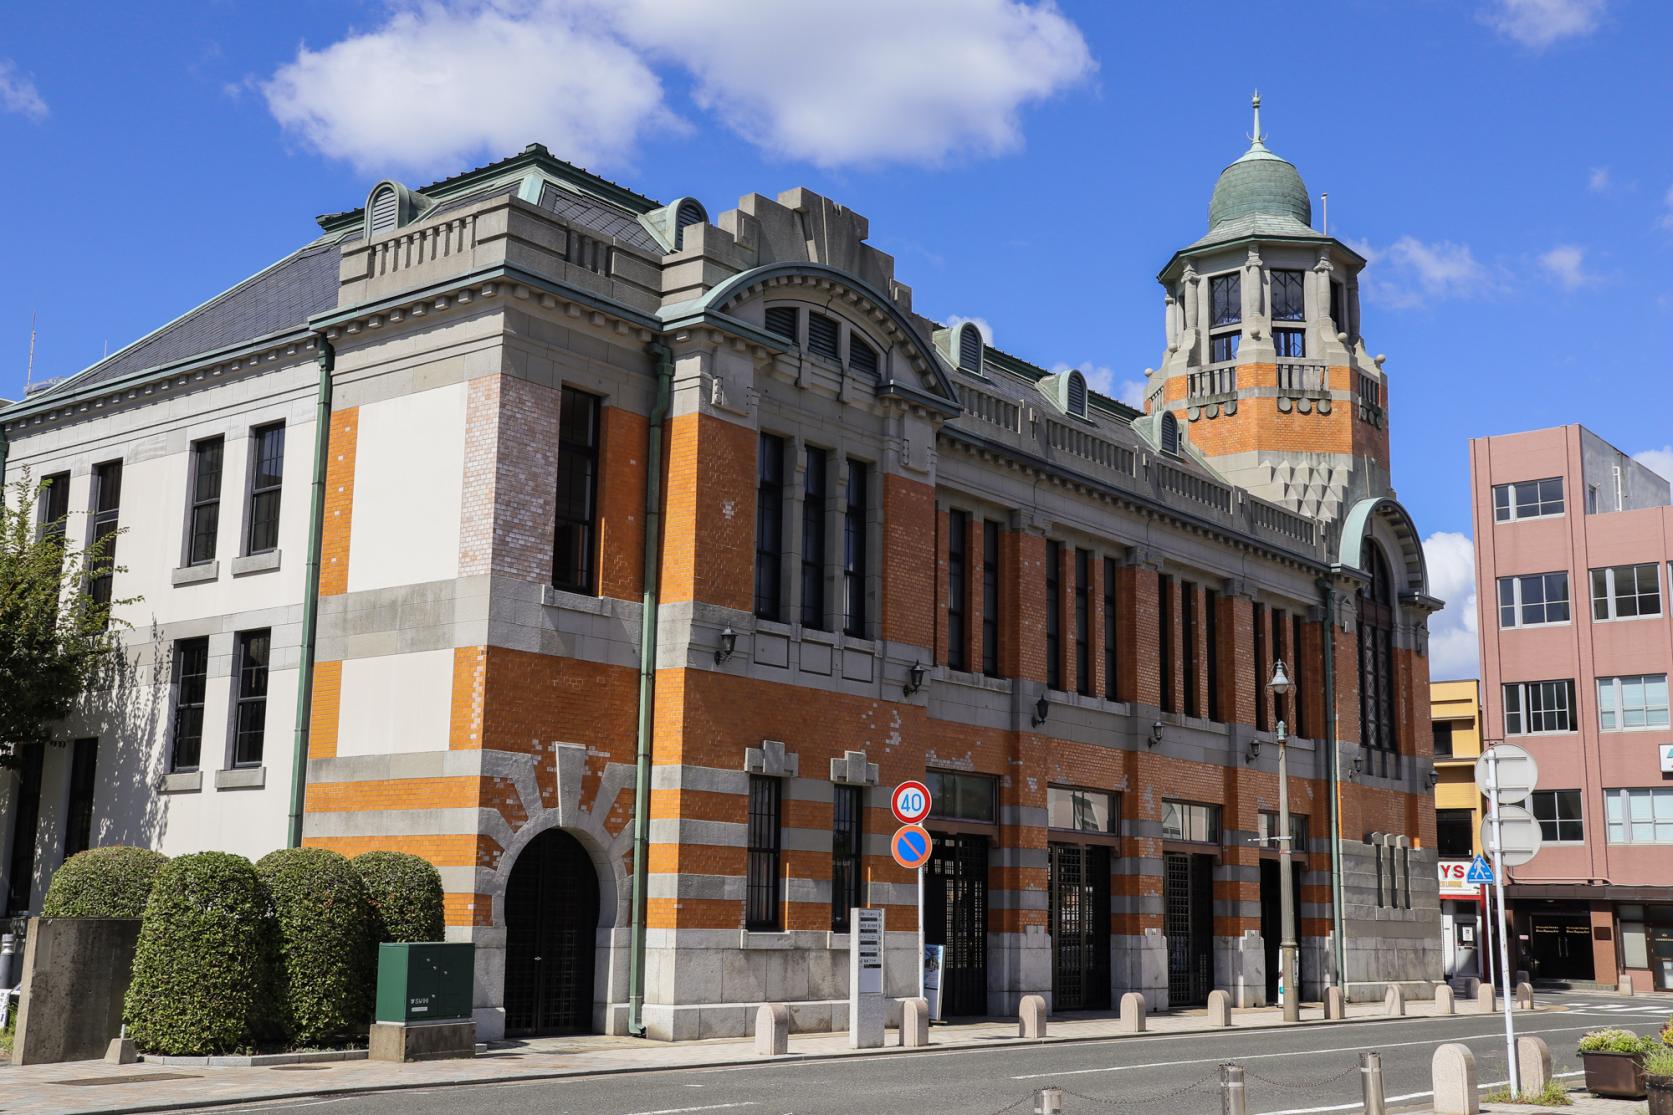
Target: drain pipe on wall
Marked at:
310, 593
647, 687
1328, 590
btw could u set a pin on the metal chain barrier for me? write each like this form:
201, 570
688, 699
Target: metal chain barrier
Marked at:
1301, 1084
1146, 1102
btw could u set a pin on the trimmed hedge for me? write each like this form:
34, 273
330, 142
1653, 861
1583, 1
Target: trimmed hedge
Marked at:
320, 909
112, 882
202, 966
406, 896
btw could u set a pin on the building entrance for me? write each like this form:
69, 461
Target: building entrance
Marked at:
956, 917
1188, 924
551, 927
1560, 946
1272, 922
1080, 927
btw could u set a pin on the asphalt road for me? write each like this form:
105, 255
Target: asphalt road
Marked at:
1309, 1070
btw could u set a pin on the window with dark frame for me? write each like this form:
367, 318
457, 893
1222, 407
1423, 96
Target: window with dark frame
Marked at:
815, 508
1188, 637
1442, 730
958, 589
1185, 820
107, 512
1454, 833
1054, 615
1528, 499
961, 796
250, 720
575, 536
191, 683
1280, 653
1225, 299
78, 823
1378, 725
1539, 707
1266, 830
1262, 675
1298, 705
1211, 632
769, 529
990, 598
1083, 622
1077, 810
1222, 347
1558, 814
1534, 599
1164, 639
204, 519
1290, 342
854, 551
1110, 641
847, 837
1289, 300
55, 506
1626, 591
764, 909
267, 475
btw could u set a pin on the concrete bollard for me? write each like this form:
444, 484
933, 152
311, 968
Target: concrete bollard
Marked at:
1523, 977
1132, 1013
1031, 1017
1394, 1002
772, 1030
1623, 986
1455, 1085
1533, 1063
1049, 1102
1335, 1008
1219, 1009
121, 1051
1524, 996
914, 1022
1445, 1001
1485, 1000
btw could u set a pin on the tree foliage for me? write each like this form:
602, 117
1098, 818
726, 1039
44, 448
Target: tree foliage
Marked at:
109, 882
53, 634
406, 896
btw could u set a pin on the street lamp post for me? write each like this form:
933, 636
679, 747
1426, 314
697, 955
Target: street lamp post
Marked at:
1289, 992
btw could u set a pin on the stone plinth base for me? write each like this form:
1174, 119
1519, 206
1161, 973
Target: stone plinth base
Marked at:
422, 1041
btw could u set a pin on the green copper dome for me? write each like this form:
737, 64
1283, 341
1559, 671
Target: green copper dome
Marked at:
1259, 184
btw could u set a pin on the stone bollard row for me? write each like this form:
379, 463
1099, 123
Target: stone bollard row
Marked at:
1455, 1083
1485, 999
1533, 1063
1131, 1019
1394, 1002
1335, 1006
914, 1022
1445, 1001
1031, 1017
1219, 1009
772, 1030
1524, 996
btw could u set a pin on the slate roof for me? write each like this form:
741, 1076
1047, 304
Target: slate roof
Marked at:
578, 209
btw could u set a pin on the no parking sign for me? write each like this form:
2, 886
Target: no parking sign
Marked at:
911, 846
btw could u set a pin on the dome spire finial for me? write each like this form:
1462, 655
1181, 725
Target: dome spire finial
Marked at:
1256, 139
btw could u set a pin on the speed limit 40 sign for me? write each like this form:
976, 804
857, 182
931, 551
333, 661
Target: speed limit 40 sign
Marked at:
910, 802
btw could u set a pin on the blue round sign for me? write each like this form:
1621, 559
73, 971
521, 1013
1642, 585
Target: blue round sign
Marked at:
911, 846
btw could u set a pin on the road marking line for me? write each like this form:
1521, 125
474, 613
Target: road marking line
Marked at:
683, 1110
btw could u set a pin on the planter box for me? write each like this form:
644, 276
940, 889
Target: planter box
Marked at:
1617, 1075
1661, 1094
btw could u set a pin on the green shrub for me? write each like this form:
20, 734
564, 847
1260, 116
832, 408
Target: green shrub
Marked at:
406, 896
323, 982
1614, 1041
111, 882
1658, 1061
202, 966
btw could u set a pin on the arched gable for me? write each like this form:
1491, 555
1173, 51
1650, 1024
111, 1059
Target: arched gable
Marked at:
1390, 524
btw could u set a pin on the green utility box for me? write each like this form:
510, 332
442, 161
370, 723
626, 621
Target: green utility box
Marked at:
426, 981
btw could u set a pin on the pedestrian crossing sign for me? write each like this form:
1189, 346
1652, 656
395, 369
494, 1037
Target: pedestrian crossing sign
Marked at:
1479, 871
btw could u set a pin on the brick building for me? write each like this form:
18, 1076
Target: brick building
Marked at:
618, 506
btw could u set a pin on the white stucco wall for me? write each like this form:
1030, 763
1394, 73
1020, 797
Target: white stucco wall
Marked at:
395, 703
408, 480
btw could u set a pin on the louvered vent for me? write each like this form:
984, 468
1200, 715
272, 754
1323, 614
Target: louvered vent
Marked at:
1077, 394
970, 349
861, 356
1170, 434
822, 336
689, 213
386, 211
781, 322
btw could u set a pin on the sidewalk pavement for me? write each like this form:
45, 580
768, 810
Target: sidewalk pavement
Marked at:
1583, 1103
94, 1086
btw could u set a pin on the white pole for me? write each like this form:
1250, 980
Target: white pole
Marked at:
1484, 948
921, 933
1504, 934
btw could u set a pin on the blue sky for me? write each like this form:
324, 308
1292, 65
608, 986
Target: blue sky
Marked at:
1504, 163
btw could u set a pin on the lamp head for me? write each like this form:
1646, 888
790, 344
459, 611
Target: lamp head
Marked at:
1280, 683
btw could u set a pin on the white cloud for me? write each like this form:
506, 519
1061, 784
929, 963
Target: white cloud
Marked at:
1539, 23
18, 94
1567, 264
1658, 460
1101, 378
1599, 180
1666, 219
836, 82
1454, 651
1412, 272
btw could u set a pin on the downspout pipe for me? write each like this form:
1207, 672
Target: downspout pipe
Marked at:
647, 687
1327, 589
310, 592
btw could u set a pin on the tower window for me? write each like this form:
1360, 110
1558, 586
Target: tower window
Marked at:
688, 213
1170, 433
1225, 299
1077, 394
1290, 342
575, 529
970, 349
1223, 347
1289, 302
384, 211
1339, 307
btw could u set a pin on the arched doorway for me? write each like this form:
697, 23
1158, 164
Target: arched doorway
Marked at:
551, 923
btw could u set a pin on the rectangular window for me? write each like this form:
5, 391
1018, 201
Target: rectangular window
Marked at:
1054, 615
1267, 829
1289, 301
1626, 591
1290, 342
1298, 683
854, 505
762, 887
1225, 299
1211, 633
1532, 600
958, 589
1454, 833
1222, 347
990, 598
1183, 820
575, 539
847, 836
267, 474
1083, 622
26, 820
1164, 639
1443, 738
107, 512
1262, 677
1558, 814
815, 497
769, 529
1539, 707
1280, 653
1080, 810
1528, 499
250, 730
78, 824
822, 336
204, 520
1110, 660
1188, 639
958, 796
1626, 704
1639, 816
1339, 307
55, 506
191, 682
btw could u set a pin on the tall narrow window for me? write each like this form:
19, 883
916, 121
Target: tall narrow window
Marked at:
1377, 691
1110, 660
769, 529
55, 506
191, 680
854, 551
574, 541
254, 653
815, 489
1188, 637
1083, 622
1288, 301
1054, 615
847, 834
1225, 299
762, 885
1281, 653
1298, 682
1262, 675
107, 510
1211, 634
26, 819
205, 520
958, 589
1164, 639
78, 826
990, 598
267, 475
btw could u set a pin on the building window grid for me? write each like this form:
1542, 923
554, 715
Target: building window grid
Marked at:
1054, 615
191, 685
1298, 680
1558, 814
1626, 591
1188, 637
1225, 299
107, 513
769, 529
1632, 703
1291, 343
1076, 810
204, 517
1534, 599
815, 508
764, 909
53, 515
1184, 820
1281, 653
267, 474
1262, 677
958, 589
1539, 707
847, 836
1528, 499
855, 503
1164, 640
1110, 641
254, 657
961, 796
1639, 816
1083, 622
574, 568
1455, 833
990, 598
1289, 301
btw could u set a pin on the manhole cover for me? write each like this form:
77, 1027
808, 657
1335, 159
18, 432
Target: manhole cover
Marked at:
299, 1068
135, 1078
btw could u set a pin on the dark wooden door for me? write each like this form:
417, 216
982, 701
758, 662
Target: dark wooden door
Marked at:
551, 924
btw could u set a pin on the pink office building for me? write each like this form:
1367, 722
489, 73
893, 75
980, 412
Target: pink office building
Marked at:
1572, 542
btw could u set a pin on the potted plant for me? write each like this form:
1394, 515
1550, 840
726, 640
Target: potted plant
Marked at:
1658, 1076
1614, 1062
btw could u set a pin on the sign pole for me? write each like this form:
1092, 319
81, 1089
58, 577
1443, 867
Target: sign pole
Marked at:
921, 994
1484, 952
1504, 934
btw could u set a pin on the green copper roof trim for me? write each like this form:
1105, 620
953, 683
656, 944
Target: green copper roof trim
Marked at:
1356, 527
1021, 368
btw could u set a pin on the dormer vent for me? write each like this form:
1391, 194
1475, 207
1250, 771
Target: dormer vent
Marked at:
1077, 394
970, 348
